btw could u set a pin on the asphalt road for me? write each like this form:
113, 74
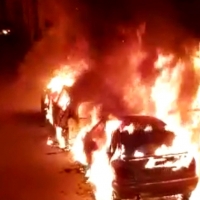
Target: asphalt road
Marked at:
29, 169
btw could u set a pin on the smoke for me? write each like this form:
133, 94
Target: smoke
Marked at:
118, 40
124, 40
62, 42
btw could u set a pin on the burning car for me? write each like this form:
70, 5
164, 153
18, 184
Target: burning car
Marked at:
56, 112
139, 170
52, 102
138, 159
65, 116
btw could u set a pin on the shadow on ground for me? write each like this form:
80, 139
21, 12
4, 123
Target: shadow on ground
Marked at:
28, 117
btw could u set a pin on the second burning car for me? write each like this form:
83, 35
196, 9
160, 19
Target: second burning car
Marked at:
65, 117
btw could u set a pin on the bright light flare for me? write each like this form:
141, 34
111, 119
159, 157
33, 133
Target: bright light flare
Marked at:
49, 141
101, 175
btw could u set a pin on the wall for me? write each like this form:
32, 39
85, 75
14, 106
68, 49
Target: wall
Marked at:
34, 17
23, 14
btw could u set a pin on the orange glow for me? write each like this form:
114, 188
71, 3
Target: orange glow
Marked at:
65, 76
101, 182
163, 94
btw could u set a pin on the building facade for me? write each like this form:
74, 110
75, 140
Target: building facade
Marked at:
25, 15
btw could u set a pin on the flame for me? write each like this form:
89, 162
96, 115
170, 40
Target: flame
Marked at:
66, 76
60, 138
164, 95
78, 145
101, 182
56, 84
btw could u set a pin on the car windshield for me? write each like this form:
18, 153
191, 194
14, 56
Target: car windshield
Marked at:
143, 136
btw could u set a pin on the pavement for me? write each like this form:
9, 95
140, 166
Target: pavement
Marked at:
29, 169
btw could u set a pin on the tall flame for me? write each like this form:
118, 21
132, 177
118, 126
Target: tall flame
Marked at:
164, 93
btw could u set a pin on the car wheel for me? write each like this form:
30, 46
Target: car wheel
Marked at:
185, 196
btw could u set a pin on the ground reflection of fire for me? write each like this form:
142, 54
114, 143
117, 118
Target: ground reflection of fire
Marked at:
164, 94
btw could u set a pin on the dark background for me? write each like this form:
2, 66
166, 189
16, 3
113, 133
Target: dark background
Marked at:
104, 23
100, 15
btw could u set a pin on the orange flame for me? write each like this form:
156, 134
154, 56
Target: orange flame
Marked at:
164, 95
65, 76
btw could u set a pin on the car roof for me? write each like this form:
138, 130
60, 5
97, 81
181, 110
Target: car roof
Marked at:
142, 119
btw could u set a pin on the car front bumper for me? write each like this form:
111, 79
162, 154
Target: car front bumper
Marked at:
155, 189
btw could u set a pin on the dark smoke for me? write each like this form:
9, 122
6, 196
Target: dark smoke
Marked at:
113, 36
93, 87
104, 34
63, 42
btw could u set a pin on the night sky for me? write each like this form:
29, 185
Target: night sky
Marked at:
169, 23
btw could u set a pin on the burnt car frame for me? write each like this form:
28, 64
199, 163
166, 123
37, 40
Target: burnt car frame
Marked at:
133, 179
75, 115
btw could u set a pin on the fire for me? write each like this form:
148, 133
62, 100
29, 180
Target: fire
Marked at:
78, 145
164, 94
49, 115
64, 77
165, 91
59, 81
101, 182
